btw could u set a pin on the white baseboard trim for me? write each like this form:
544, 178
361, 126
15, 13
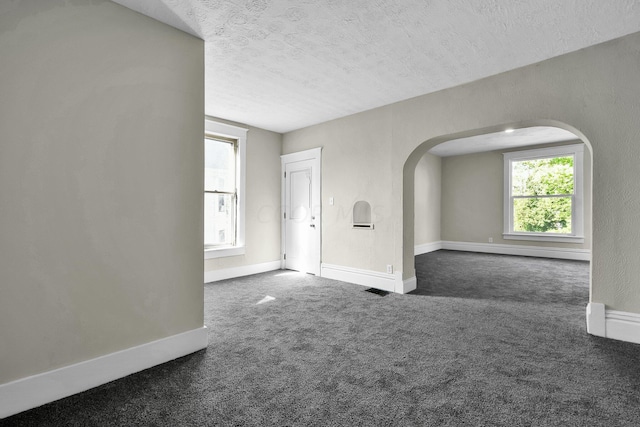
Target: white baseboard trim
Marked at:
372, 279
596, 319
535, 251
614, 324
30, 392
245, 270
425, 248
368, 278
408, 285
623, 326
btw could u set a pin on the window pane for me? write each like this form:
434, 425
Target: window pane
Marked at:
219, 166
542, 176
542, 215
219, 219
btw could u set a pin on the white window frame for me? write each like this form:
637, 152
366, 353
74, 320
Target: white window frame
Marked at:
214, 128
577, 205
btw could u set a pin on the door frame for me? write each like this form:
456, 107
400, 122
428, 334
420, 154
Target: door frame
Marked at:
315, 155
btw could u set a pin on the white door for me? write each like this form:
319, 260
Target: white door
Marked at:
301, 216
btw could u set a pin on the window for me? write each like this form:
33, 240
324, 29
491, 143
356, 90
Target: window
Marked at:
220, 196
224, 158
543, 194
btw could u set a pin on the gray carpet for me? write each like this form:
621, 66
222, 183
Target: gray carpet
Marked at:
473, 345
505, 278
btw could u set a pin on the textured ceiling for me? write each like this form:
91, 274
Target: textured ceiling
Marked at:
285, 64
503, 140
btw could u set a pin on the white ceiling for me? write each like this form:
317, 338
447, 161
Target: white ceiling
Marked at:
286, 64
503, 140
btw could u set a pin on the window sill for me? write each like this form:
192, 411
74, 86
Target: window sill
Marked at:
210, 253
543, 238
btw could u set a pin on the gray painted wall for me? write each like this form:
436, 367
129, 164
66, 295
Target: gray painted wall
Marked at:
593, 92
472, 201
428, 189
101, 122
355, 166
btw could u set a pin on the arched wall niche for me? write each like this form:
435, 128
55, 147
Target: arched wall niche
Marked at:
361, 215
408, 196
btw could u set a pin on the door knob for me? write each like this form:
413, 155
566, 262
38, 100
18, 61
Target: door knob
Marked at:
312, 225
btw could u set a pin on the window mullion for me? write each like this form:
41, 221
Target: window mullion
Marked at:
220, 192
544, 196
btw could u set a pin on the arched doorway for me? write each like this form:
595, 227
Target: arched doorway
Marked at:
483, 237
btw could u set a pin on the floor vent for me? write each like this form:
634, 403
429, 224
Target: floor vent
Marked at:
377, 292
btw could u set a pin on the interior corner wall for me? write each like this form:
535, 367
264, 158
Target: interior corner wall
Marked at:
472, 201
427, 200
101, 182
262, 208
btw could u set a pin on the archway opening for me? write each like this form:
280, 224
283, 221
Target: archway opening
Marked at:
454, 197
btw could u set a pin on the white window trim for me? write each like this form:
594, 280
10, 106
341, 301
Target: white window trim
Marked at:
240, 134
577, 213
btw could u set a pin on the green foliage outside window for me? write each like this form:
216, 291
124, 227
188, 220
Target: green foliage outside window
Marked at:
542, 190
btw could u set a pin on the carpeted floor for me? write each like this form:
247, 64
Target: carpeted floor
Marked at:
505, 278
481, 342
